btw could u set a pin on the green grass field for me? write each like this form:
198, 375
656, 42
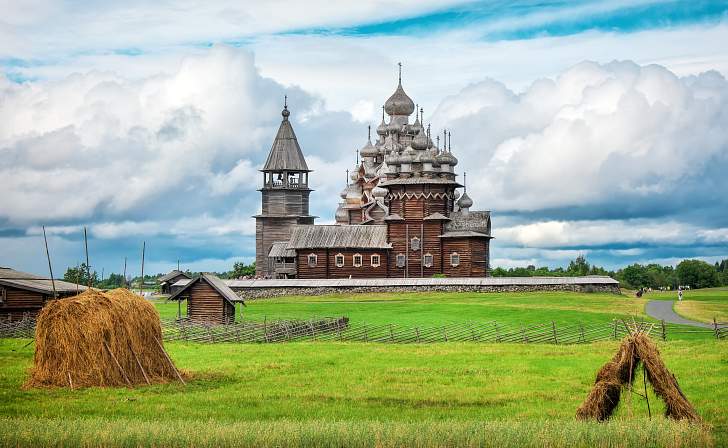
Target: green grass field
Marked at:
436, 308
368, 394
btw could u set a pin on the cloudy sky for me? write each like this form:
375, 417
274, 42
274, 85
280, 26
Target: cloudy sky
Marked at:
592, 127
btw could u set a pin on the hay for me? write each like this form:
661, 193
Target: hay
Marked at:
619, 372
99, 339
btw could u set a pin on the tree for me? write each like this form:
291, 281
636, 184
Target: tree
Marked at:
241, 269
697, 274
579, 266
78, 274
633, 276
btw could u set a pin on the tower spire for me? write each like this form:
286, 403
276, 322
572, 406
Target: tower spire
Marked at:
369, 133
400, 72
465, 182
449, 141
444, 139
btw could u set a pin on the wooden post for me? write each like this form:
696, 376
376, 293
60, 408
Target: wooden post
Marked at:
265, 328
164, 352
141, 283
88, 268
146, 378
664, 330
70, 383
50, 269
444, 334
581, 328
715, 326
553, 327
615, 329
391, 333
179, 308
644, 381
497, 332
116, 361
417, 330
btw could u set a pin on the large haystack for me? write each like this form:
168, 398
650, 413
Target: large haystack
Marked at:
635, 349
99, 339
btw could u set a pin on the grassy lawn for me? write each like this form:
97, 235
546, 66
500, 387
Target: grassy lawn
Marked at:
438, 307
358, 394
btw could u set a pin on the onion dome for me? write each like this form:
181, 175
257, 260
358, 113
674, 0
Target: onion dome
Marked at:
399, 103
456, 195
343, 193
341, 214
382, 128
379, 192
420, 141
427, 157
354, 174
353, 192
392, 158
465, 202
446, 158
369, 150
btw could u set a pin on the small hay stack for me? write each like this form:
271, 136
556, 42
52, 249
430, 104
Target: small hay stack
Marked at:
99, 339
634, 350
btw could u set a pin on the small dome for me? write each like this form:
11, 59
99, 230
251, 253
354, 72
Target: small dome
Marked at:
343, 193
341, 214
427, 157
465, 201
379, 192
392, 158
353, 192
285, 112
382, 128
354, 174
420, 141
446, 158
399, 103
369, 150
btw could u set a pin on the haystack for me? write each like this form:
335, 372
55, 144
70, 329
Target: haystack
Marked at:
100, 339
635, 350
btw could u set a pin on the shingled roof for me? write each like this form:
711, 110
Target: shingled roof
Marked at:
339, 236
172, 274
217, 284
37, 283
285, 154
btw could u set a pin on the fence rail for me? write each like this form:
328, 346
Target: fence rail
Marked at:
341, 329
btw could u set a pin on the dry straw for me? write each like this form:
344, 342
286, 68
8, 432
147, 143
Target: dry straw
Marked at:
620, 371
99, 339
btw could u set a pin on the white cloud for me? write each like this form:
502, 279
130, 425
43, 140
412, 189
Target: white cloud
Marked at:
596, 134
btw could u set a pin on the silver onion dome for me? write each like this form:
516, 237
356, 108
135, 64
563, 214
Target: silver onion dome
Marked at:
399, 103
465, 202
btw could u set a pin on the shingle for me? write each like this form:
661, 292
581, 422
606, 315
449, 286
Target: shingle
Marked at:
339, 236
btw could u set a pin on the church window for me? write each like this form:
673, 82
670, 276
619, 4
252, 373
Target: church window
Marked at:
375, 261
358, 260
454, 259
415, 243
339, 259
401, 260
427, 260
312, 260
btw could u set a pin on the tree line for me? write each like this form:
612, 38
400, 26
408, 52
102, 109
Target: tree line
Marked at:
693, 273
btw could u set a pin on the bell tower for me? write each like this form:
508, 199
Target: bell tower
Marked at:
285, 195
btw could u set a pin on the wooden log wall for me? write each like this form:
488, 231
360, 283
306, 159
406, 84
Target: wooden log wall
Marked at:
205, 304
326, 264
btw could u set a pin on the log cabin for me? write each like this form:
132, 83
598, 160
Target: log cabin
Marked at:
23, 294
209, 300
404, 188
166, 281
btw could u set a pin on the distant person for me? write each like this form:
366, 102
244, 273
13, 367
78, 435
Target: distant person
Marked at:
679, 294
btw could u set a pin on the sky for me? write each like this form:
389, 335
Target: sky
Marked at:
586, 127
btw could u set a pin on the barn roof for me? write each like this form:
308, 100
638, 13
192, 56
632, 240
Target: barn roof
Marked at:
172, 274
217, 284
36, 283
285, 154
279, 249
339, 236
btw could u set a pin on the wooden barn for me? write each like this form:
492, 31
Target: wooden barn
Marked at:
23, 294
209, 300
166, 281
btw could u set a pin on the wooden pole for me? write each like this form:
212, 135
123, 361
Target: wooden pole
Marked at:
141, 283
644, 381
88, 268
116, 361
146, 378
50, 268
164, 352
715, 326
664, 330
553, 327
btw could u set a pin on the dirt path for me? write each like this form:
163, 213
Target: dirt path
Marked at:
662, 310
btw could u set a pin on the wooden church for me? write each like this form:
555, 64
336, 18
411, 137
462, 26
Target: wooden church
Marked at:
401, 213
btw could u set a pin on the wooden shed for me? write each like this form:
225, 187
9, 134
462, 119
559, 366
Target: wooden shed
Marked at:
209, 300
24, 294
166, 281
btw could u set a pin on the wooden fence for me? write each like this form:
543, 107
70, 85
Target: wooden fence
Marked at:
341, 329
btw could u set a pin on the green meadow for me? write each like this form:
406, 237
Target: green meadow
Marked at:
368, 394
